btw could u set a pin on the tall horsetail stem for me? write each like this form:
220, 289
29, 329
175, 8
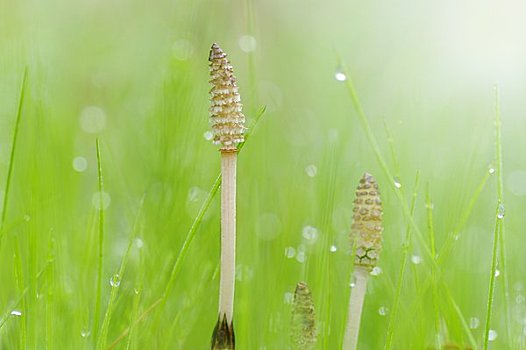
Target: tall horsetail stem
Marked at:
228, 127
366, 241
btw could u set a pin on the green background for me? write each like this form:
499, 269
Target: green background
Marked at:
134, 74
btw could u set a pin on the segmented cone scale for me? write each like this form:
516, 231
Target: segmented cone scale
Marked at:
226, 116
367, 227
303, 325
223, 337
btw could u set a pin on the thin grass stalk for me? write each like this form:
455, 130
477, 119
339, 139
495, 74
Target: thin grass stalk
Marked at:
9, 177
101, 344
498, 234
96, 316
366, 238
403, 264
502, 237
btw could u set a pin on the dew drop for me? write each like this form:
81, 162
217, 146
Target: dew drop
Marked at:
300, 257
311, 170
382, 311
290, 252
208, 135
85, 333
376, 271
268, 226
492, 335
474, 323
491, 170
500, 211
497, 273
397, 183
115, 280
353, 282
288, 297
310, 233
92, 119
80, 164
16, 313
139, 243
96, 200
247, 43
136, 291
333, 248
340, 75
416, 259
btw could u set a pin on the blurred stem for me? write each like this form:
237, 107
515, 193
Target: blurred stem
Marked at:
354, 315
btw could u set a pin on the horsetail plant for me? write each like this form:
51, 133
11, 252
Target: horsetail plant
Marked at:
366, 241
303, 330
228, 128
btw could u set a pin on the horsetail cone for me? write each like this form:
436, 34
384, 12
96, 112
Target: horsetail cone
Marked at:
366, 230
226, 116
303, 325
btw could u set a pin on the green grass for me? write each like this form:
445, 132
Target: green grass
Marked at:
413, 105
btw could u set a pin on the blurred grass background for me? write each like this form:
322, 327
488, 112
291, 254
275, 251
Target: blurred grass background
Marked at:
134, 74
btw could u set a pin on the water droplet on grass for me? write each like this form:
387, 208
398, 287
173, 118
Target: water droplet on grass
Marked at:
96, 200
208, 135
139, 243
290, 252
492, 335
80, 164
92, 119
268, 226
115, 280
376, 271
247, 43
288, 297
416, 259
501, 211
85, 333
16, 313
333, 248
340, 75
491, 170
352, 284
397, 183
474, 323
300, 257
310, 233
311, 170
382, 311
497, 273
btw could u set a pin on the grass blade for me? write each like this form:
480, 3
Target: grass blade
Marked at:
12, 155
101, 244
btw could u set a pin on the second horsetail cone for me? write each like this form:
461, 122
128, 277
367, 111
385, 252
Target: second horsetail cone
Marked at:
367, 227
303, 325
226, 116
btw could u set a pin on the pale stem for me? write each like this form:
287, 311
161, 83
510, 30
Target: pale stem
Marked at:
228, 234
354, 316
